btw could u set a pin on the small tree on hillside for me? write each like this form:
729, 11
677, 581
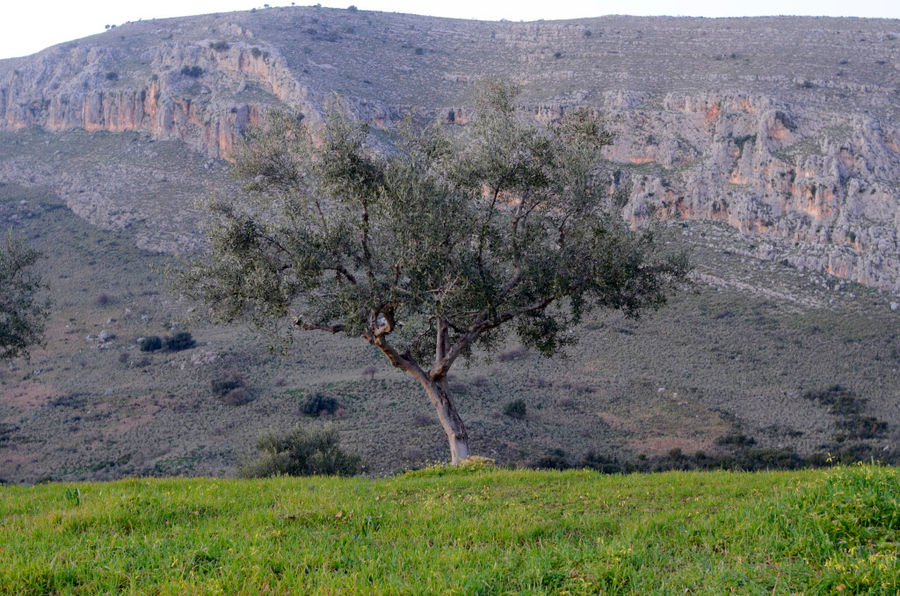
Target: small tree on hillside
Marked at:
23, 313
432, 248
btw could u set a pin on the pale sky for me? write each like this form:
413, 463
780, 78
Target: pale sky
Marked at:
27, 26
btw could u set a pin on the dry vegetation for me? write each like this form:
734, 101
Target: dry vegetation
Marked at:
735, 354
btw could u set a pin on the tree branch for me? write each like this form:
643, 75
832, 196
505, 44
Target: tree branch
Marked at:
342, 271
440, 368
337, 328
404, 362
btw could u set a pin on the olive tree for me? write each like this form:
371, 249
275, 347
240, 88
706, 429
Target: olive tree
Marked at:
432, 247
23, 313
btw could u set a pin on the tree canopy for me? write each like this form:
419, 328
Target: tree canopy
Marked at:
23, 313
432, 244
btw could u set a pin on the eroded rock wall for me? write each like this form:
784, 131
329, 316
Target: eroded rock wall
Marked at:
762, 141
203, 96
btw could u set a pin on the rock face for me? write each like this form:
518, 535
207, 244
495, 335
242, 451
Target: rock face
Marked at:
203, 96
785, 128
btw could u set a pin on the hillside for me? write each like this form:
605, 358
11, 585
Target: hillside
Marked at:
782, 127
741, 352
772, 143
468, 531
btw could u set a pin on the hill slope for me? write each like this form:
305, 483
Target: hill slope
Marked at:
740, 353
715, 124
784, 127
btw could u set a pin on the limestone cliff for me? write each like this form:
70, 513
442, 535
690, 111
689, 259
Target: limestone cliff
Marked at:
785, 128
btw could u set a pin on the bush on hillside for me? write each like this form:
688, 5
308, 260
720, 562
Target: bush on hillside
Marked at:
237, 397
228, 382
151, 343
318, 404
516, 409
180, 341
230, 389
302, 452
192, 71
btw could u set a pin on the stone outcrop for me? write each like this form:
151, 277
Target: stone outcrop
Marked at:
784, 128
167, 98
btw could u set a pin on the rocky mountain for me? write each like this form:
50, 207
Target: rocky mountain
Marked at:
784, 128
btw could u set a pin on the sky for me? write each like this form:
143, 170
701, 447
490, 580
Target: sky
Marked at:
27, 26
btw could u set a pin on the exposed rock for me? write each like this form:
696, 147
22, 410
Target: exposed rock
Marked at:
785, 128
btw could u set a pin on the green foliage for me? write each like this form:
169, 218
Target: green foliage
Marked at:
73, 496
851, 519
151, 343
219, 46
302, 452
182, 340
23, 313
515, 409
351, 240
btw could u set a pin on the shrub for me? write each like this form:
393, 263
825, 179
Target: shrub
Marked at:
861, 427
555, 460
180, 341
237, 397
515, 409
151, 343
192, 71
255, 51
317, 404
602, 464
103, 299
112, 76
839, 399
301, 452
737, 440
419, 51
219, 46
352, 8
227, 383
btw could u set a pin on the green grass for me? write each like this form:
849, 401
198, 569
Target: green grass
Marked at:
472, 531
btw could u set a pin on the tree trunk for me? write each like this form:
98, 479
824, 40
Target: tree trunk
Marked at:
450, 420
435, 385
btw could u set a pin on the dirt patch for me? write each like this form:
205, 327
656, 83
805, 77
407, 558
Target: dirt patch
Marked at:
14, 461
28, 395
127, 424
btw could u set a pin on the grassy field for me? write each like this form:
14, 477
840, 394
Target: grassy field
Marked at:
474, 530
